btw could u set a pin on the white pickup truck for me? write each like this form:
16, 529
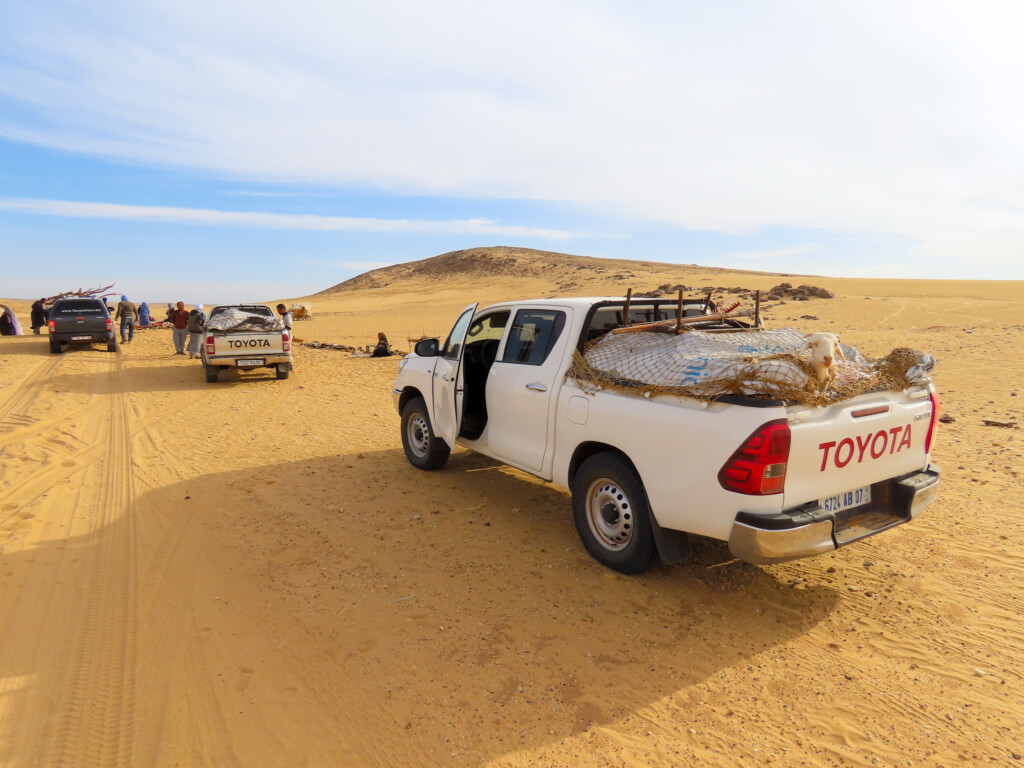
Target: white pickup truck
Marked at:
775, 480
245, 336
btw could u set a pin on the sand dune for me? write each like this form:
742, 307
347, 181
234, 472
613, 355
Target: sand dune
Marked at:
251, 574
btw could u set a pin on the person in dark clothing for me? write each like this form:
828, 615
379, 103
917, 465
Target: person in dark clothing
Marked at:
383, 348
179, 322
127, 314
38, 316
9, 325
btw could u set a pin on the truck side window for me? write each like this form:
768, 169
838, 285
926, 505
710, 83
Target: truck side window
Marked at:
533, 335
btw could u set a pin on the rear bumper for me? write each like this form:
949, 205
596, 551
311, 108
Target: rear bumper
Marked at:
94, 337
232, 362
810, 530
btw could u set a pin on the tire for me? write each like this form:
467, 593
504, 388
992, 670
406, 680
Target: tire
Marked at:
609, 507
54, 347
211, 373
282, 370
112, 345
423, 448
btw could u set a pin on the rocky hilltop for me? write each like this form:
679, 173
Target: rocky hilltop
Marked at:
564, 270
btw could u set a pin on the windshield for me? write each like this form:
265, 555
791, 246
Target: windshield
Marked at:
78, 307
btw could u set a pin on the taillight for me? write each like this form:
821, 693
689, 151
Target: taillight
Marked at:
758, 468
110, 324
53, 326
286, 342
209, 345
931, 424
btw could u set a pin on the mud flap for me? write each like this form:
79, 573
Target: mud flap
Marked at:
673, 546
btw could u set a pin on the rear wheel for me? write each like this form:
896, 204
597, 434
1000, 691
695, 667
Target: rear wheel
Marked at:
112, 345
609, 507
283, 370
54, 346
423, 448
211, 373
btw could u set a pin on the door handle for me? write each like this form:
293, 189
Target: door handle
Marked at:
446, 377
536, 386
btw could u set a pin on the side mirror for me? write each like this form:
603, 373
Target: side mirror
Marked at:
427, 347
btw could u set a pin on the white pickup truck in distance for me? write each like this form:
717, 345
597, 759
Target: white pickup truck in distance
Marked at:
245, 336
775, 479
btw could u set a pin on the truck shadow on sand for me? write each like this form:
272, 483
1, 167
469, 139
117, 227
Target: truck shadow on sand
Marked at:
167, 377
340, 609
28, 344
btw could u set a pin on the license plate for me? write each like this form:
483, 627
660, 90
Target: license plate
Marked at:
847, 500
250, 362
81, 338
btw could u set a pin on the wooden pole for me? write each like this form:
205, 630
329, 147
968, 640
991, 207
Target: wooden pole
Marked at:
625, 311
757, 309
663, 324
679, 312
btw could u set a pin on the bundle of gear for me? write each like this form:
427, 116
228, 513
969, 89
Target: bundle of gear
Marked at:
235, 319
704, 366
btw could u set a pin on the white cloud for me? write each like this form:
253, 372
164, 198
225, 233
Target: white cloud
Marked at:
872, 117
83, 210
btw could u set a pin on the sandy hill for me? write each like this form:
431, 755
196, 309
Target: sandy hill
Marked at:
566, 271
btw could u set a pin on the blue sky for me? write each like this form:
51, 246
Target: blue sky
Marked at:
215, 151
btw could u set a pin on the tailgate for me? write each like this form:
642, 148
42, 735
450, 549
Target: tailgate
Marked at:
850, 445
253, 345
80, 323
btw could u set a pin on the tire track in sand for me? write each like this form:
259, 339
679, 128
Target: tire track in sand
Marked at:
15, 406
94, 712
27, 489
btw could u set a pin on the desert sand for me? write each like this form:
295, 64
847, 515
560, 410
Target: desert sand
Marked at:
249, 573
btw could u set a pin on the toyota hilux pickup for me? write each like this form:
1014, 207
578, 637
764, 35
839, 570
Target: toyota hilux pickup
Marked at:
245, 337
774, 479
80, 321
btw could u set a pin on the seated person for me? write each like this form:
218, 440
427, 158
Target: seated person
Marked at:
383, 348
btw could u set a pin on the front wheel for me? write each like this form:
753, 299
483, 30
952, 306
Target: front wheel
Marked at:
423, 448
609, 507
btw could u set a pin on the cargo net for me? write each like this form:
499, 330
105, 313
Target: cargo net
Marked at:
235, 319
704, 366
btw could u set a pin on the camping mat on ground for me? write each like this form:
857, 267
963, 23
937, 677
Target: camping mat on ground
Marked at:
704, 366
242, 320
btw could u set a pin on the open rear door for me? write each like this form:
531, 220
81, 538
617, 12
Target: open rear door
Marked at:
447, 383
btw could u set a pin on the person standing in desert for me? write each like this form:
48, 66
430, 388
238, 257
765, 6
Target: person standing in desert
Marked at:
178, 318
126, 313
38, 316
195, 325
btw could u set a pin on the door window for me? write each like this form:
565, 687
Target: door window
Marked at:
533, 335
489, 327
453, 344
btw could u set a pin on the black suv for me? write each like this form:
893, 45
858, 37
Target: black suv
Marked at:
81, 321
